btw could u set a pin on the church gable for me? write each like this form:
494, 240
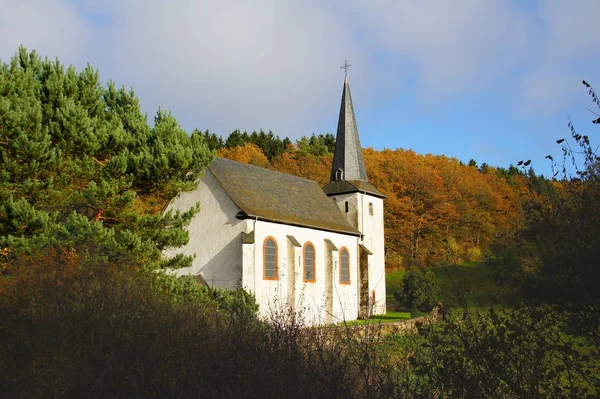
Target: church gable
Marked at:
215, 234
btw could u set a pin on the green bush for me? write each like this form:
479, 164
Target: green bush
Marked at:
184, 289
507, 266
418, 290
521, 352
74, 327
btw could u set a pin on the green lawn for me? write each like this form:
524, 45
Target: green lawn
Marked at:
475, 280
386, 318
392, 282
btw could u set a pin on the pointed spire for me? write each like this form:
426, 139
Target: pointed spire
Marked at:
348, 161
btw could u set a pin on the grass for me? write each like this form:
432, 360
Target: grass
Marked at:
392, 282
475, 280
389, 317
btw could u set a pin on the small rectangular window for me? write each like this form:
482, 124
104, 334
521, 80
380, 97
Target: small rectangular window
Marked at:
346, 206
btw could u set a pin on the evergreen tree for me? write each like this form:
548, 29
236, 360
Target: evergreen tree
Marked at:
81, 167
213, 141
318, 145
236, 139
270, 144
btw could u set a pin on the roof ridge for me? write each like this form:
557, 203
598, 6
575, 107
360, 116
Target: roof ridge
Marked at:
265, 169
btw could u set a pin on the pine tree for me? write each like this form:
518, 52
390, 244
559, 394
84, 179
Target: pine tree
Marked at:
81, 167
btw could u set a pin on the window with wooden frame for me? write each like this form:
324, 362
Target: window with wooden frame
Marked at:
270, 267
344, 266
309, 274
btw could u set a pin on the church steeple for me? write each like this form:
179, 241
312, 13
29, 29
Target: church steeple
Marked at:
348, 172
348, 161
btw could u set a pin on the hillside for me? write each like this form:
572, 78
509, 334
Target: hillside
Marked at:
438, 211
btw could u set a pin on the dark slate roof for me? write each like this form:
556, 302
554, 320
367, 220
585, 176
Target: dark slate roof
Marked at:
279, 197
348, 152
351, 186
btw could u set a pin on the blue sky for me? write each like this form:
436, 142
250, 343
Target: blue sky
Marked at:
490, 80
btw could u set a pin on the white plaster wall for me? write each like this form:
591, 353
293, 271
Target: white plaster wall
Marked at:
310, 298
353, 207
372, 231
373, 238
215, 234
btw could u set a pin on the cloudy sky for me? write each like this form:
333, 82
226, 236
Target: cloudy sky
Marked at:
484, 79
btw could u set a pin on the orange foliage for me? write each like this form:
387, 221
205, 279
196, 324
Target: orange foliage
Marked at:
308, 166
249, 153
437, 210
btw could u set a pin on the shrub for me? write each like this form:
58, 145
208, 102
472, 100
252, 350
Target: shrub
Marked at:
418, 290
184, 289
510, 353
507, 266
473, 254
75, 327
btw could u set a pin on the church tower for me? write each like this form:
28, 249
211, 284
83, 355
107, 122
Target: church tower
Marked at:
362, 205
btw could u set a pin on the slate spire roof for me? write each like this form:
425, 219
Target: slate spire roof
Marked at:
348, 172
348, 152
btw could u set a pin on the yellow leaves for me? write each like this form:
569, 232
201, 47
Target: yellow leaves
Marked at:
249, 153
308, 166
432, 200
4, 259
150, 203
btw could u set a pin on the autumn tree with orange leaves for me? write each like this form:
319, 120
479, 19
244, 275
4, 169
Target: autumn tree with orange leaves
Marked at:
438, 210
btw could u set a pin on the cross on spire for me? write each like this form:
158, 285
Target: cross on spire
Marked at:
345, 67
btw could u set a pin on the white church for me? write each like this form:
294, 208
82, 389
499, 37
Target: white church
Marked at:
318, 252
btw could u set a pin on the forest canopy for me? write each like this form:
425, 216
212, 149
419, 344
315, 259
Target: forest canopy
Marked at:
438, 210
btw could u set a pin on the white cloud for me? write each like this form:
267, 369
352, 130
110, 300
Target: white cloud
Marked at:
274, 64
52, 27
456, 46
572, 28
236, 64
568, 51
534, 54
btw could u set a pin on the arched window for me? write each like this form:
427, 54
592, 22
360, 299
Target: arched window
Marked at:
344, 266
338, 174
371, 208
270, 259
309, 263
346, 206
